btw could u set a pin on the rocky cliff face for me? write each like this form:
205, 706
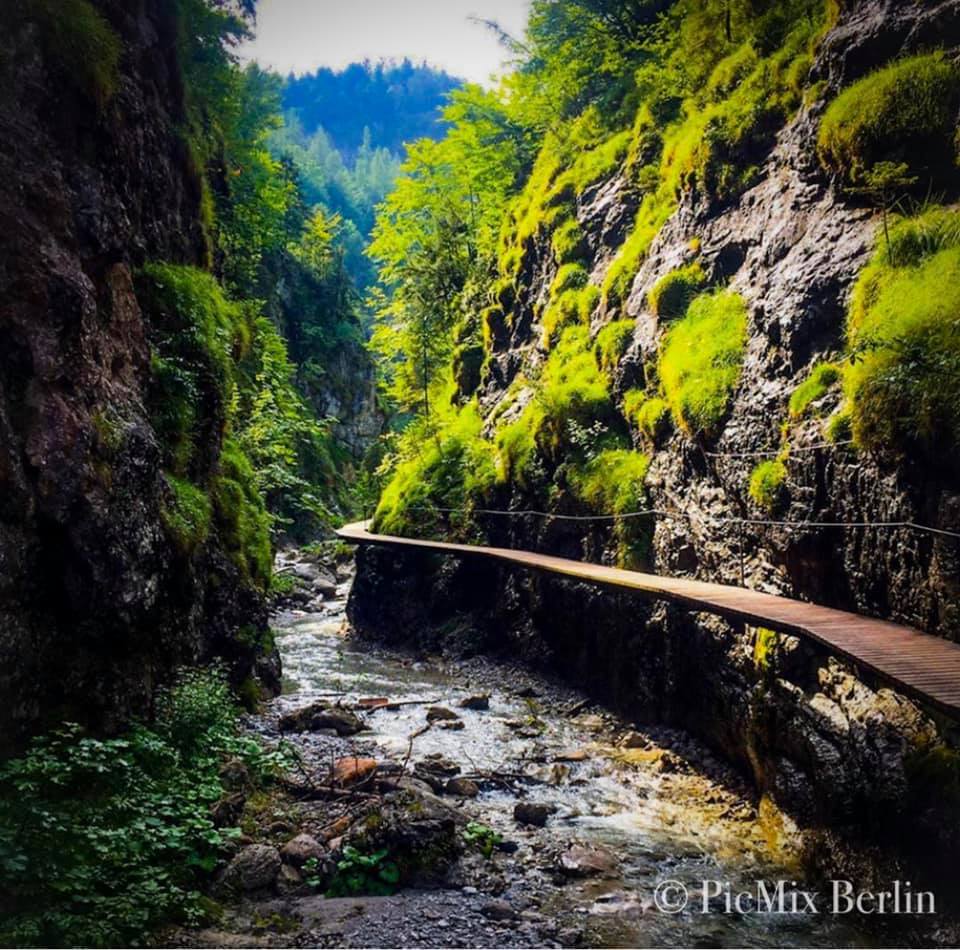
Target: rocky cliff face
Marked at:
96, 602
828, 746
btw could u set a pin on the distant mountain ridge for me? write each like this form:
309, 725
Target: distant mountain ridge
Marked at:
396, 102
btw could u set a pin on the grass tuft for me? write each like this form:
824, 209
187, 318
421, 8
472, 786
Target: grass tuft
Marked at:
701, 359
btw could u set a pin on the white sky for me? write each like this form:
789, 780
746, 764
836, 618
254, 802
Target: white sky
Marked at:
300, 35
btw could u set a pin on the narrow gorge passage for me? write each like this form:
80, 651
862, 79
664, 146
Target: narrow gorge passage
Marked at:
631, 329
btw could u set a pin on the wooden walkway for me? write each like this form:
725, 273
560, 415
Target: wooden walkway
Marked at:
917, 664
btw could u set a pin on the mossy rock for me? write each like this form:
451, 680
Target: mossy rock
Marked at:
904, 113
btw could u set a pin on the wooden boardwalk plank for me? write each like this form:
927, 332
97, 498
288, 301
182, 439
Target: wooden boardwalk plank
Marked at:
922, 666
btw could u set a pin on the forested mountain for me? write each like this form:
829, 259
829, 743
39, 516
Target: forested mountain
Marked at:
384, 104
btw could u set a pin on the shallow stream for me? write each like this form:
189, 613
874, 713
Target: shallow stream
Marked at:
662, 811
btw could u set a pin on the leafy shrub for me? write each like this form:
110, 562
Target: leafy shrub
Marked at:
102, 840
611, 343
903, 330
78, 43
672, 294
450, 466
814, 387
359, 873
767, 484
188, 514
481, 837
902, 113
701, 358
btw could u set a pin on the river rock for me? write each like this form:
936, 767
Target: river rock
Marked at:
255, 868
351, 770
441, 714
226, 812
322, 715
581, 861
532, 813
462, 788
478, 703
498, 910
297, 851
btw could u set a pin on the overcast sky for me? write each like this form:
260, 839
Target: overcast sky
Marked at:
300, 35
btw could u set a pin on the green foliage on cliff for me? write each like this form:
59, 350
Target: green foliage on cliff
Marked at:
187, 514
767, 482
103, 840
701, 359
611, 343
220, 371
814, 387
78, 43
447, 467
903, 333
241, 514
673, 293
612, 481
902, 113
651, 414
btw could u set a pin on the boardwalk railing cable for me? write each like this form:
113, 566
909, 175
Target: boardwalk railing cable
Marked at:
763, 522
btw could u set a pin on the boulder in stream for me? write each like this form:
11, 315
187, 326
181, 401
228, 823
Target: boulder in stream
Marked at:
322, 715
532, 813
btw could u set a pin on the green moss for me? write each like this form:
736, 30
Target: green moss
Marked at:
198, 336
516, 449
903, 113
78, 43
242, 519
653, 418
187, 515
613, 483
568, 309
568, 243
611, 343
814, 387
571, 389
767, 484
903, 325
655, 209
569, 277
672, 294
764, 649
701, 359
839, 427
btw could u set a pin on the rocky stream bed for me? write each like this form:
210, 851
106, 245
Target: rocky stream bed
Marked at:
514, 812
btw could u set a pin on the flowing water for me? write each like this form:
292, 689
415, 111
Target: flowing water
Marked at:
667, 812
